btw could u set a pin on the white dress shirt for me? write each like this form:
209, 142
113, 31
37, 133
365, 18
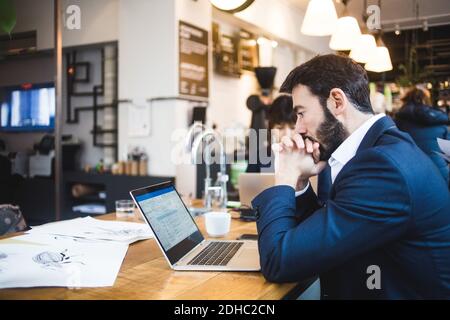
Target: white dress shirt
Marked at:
347, 150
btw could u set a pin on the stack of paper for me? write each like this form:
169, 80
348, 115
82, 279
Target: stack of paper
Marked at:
65, 265
93, 229
82, 252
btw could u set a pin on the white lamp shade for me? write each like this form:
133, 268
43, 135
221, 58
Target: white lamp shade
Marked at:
379, 60
346, 34
320, 18
228, 4
364, 47
265, 52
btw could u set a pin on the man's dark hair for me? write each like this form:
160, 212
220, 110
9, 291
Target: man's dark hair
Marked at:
323, 73
281, 112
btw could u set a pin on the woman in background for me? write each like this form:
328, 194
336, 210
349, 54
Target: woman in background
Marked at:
424, 124
281, 119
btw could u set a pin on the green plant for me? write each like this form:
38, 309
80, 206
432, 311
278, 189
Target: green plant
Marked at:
7, 16
412, 73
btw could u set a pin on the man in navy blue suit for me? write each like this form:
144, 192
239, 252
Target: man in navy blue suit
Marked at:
384, 231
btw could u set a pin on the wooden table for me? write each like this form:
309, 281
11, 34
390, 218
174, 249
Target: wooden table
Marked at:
145, 274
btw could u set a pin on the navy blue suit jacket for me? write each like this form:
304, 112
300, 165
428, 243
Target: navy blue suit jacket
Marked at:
389, 207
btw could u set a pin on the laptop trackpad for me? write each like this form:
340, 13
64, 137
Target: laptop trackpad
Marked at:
248, 257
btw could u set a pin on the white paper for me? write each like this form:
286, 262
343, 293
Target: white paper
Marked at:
445, 148
53, 239
90, 228
72, 266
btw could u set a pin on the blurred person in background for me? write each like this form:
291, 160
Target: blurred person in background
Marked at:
281, 121
424, 124
281, 117
377, 99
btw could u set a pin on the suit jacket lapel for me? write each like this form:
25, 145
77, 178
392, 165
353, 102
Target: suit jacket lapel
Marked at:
375, 132
370, 139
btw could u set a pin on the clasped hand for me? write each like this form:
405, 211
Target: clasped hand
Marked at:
296, 160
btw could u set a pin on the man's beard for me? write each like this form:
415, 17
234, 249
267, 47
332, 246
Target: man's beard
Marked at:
330, 134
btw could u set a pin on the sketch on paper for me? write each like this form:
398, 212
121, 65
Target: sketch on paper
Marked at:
75, 239
54, 260
69, 265
51, 239
117, 232
90, 228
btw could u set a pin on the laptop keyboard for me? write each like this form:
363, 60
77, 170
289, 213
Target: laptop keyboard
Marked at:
216, 254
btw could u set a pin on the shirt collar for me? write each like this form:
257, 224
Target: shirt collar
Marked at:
347, 150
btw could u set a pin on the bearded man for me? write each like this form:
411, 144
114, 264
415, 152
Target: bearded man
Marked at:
384, 231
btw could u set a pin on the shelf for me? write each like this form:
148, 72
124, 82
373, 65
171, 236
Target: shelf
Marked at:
116, 187
89, 198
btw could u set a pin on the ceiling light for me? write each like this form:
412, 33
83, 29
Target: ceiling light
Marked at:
231, 6
379, 60
320, 18
265, 52
397, 29
364, 47
425, 25
346, 34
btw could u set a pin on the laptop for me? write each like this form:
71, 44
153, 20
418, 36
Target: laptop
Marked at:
252, 184
180, 239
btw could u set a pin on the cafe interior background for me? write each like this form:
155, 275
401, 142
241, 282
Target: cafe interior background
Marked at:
132, 76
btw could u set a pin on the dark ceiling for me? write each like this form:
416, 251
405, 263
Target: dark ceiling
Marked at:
433, 53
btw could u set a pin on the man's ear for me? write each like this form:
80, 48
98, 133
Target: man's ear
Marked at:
338, 101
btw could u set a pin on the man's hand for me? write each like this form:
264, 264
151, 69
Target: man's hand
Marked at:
296, 160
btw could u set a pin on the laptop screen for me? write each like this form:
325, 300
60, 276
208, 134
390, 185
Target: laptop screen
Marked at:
169, 219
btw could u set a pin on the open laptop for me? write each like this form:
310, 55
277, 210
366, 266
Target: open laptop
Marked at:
181, 241
252, 184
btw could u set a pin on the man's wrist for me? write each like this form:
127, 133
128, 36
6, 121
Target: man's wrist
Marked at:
301, 184
302, 191
285, 181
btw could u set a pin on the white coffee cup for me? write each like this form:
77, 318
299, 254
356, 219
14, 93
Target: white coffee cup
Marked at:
217, 223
